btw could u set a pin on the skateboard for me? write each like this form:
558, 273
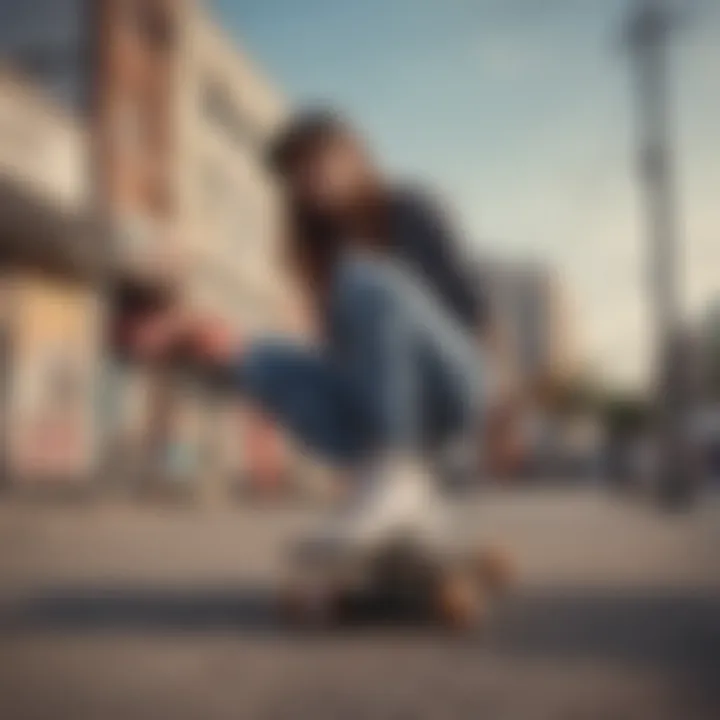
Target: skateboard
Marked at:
400, 581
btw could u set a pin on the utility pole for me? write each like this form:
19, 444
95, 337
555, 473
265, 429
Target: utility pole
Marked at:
649, 32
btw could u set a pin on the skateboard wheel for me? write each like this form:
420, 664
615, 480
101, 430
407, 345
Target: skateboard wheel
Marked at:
310, 605
496, 570
461, 603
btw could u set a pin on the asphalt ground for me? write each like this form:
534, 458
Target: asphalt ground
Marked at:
116, 611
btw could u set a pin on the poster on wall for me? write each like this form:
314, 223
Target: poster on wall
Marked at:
54, 401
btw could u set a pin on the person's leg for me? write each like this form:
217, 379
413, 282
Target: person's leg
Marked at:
415, 370
307, 396
400, 374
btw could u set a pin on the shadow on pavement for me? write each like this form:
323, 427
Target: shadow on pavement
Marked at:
112, 609
672, 628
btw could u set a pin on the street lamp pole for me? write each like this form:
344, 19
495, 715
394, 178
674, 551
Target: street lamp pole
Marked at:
649, 32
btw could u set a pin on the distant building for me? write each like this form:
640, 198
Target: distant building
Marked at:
711, 350
530, 303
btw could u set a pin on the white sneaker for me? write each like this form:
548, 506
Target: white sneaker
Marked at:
393, 499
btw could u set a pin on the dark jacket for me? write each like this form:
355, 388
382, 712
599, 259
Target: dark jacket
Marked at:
428, 244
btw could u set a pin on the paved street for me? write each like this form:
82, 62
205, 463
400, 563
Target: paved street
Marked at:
115, 612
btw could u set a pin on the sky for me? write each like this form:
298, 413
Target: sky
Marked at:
520, 114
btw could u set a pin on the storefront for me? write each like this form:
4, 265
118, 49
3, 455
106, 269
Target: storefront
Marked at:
52, 263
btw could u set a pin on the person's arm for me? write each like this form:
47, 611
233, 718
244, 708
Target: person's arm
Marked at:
461, 282
299, 311
443, 256
177, 331
203, 346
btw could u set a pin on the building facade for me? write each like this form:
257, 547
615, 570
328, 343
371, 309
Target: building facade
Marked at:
228, 209
227, 204
174, 120
51, 313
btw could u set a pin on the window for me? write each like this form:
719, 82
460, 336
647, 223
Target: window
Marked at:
58, 71
47, 40
221, 110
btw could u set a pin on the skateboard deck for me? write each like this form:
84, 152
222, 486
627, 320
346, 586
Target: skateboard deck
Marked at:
453, 585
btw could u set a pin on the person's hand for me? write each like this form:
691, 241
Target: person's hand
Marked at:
212, 341
202, 337
157, 335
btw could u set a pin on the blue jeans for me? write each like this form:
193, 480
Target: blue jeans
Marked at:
397, 373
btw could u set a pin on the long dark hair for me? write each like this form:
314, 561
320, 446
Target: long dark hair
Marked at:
313, 239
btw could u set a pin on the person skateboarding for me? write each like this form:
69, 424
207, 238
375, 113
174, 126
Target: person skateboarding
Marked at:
402, 362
